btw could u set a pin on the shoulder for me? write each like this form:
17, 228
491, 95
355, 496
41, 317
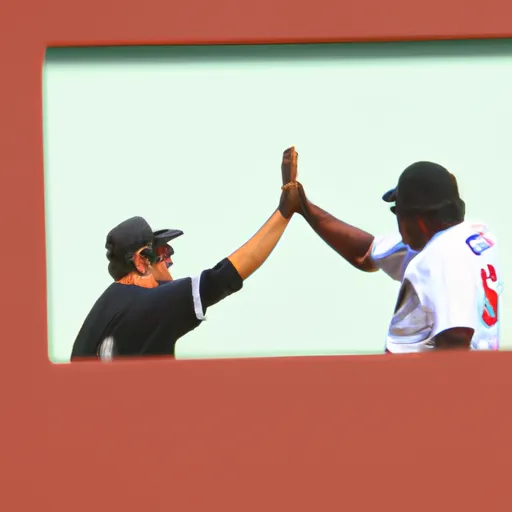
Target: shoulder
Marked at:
176, 289
170, 286
458, 244
112, 294
122, 289
479, 238
441, 252
452, 256
389, 254
386, 245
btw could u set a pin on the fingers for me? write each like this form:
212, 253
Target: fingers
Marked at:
289, 165
291, 154
294, 157
290, 184
302, 194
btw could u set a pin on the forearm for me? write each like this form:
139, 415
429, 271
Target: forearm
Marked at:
253, 253
457, 338
228, 275
350, 242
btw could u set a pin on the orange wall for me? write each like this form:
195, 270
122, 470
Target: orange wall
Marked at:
353, 433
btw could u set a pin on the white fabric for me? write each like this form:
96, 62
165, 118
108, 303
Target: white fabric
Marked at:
106, 350
391, 255
196, 295
451, 283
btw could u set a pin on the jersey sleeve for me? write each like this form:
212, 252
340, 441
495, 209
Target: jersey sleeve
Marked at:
214, 285
389, 254
170, 305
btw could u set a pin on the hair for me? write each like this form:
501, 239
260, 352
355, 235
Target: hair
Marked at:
119, 268
119, 265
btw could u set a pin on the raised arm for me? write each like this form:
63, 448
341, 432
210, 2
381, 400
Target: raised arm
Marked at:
228, 275
249, 258
350, 242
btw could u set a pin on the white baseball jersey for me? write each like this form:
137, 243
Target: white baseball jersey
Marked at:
455, 281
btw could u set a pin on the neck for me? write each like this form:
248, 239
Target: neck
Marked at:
444, 226
433, 230
133, 278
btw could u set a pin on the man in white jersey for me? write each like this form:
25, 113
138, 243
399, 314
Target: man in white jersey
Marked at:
448, 268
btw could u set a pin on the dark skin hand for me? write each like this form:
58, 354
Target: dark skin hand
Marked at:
458, 338
290, 200
352, 243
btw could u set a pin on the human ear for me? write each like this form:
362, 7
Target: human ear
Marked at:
140, 264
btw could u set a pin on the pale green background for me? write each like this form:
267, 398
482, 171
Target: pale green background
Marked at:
191, 138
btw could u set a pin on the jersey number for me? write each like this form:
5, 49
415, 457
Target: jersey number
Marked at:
490, 312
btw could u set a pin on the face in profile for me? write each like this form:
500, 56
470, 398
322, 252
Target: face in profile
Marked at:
160, 268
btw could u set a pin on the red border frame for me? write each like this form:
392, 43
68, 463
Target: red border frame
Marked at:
283, 434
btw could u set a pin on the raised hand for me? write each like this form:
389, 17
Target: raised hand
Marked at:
290, 200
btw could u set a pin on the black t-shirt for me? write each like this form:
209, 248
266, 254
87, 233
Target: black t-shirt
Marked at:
129, 320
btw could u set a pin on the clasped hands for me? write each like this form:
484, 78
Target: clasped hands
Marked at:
293, 199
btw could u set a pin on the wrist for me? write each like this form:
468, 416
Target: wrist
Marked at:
310, 215
283, 216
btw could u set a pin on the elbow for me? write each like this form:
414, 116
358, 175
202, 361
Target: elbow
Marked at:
365, 265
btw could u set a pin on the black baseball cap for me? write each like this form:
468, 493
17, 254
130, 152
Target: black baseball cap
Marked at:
424, 186
128, 237
163, 236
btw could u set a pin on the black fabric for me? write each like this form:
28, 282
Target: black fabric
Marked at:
128, 237
149, 321
163, 236
424, 186
142, 321
218, 283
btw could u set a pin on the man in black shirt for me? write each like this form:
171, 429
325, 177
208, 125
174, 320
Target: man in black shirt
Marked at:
138, 316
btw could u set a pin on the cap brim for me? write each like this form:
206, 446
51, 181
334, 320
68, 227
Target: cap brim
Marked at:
390, 196
166, 235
